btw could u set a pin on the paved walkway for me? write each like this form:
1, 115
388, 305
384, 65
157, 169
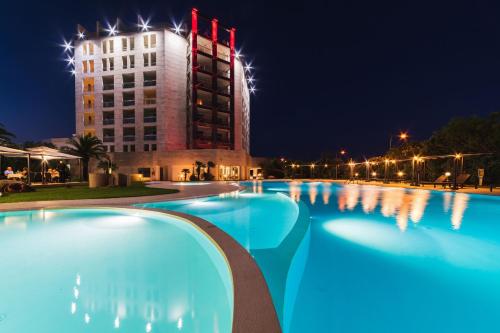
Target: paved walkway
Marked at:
186, 191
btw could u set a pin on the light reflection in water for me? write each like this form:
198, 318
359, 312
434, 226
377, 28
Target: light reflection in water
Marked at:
399, 203
459, 206
295, 190
326, 193
313, 192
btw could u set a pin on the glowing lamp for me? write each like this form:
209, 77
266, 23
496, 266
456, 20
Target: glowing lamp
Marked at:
447, 174
374, 174
400, 174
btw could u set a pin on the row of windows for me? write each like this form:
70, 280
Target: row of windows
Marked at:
108, 64
131, 148
108, 134
128, 44
149, 116
128, 81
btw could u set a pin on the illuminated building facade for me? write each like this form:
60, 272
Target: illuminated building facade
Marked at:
161, 98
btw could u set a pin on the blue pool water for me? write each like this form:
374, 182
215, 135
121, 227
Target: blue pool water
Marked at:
114, 270
365, 258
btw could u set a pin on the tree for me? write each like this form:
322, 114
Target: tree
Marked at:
185, 172
5, 136
87, 147
208, 175
199, 165
107, 165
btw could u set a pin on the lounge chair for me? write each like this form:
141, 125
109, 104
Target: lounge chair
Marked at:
441, 180
461, 179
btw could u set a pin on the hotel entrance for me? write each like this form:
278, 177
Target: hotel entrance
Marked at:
229, 172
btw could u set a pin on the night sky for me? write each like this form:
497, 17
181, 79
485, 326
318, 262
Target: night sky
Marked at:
330, 74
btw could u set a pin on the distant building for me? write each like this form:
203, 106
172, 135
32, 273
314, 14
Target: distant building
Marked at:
161, 99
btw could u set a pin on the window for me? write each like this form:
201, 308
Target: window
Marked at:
146, 59
149, 79
132, 43
145, 172
112, 149
129, 98
108, 82
124, 44
104, 47
146, 147
129, 134
149, 41
153, 147
91, 66
124, 62
111, 64
104, 65
108, 134
128, 116
153, 59
149, 97
132, 148
131, 61
111, 46
91, 48
85, 69
85, 49
125, 148
150, 133
108, 118
150, 115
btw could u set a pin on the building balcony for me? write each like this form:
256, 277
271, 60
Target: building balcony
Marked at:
108, 139
149, 83
223, 107
128, 138
127, 85
150, 119
108, 86
108, 121
149, 137
128, 102
129, 120
149, 101
108, 104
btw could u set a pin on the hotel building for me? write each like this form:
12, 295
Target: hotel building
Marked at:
161, 98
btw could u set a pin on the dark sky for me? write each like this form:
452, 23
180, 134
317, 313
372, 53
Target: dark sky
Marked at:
330, 74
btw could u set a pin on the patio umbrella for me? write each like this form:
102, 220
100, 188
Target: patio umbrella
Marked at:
46, 154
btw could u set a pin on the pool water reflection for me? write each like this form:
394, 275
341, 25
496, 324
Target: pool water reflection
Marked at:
365, 258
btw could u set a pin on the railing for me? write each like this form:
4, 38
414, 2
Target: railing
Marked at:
224, 57
128, 85
224, 90
108, 121
150, 119
108, 86
129, 138
224, 74
223, 107
153, 63
108, 104
149, 83
87, 122
205, 68
205, 49
149, 101
128, 102
108, 139
149, 137
129, 120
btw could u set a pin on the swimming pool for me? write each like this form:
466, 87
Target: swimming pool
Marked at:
350, 258
110, 270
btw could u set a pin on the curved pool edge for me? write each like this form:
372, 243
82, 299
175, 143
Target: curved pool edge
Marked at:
253, 308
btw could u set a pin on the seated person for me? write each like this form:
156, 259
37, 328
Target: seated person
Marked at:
8, 172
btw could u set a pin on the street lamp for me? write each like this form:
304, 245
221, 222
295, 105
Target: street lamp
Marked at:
402, 136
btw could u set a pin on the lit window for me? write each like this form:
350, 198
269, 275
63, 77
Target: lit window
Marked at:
111, 64
124, 44
146, 41
153, 59
91, 66
104, 47
131, 59
146, 59
153, 40
85, 69
132, 43
91, 48
124, 62
85, 49
111, 46
104, 65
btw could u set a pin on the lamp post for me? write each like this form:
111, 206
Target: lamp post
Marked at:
386, 164
367, 163
351, 167
456, 161
403, 136
312, 170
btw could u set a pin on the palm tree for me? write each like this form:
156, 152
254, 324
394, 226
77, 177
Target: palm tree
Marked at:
5, 136
86, 146
199, 165
185, 172
208, 175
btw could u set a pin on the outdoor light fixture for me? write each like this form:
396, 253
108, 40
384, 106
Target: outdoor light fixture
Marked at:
112, 30
177, 28
447, 174
374, 174
342, 152
67, 46
237, 54
81, 35
70, 60
458, 156
326, 165
356, 174
250, 79
403, 136
252, 90
312, 165
248, 67
400, 174
144, 25
73, 72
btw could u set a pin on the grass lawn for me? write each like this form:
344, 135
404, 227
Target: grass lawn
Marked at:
79, 192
